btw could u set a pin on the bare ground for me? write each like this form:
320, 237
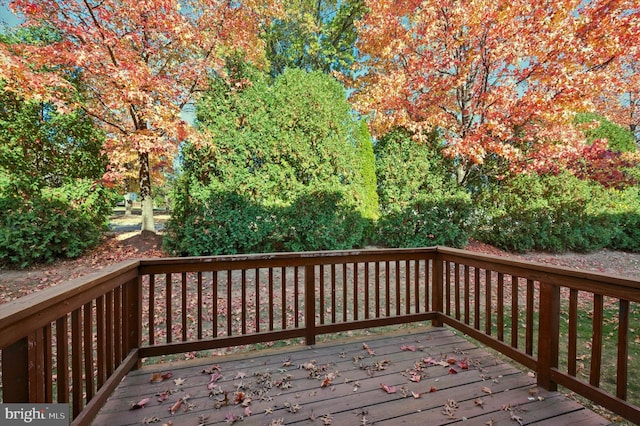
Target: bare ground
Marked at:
124, 243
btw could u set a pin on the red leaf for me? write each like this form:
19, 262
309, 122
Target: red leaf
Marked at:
388, 389
452, 371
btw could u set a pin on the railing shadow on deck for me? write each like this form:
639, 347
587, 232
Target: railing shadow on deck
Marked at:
73, 343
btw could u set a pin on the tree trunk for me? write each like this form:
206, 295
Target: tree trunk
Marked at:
145, 193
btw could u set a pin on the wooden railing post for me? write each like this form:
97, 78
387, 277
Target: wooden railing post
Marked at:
437, 302
310, 304
15, 372
548, 334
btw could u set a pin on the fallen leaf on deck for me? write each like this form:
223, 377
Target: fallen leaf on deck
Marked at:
452, 371
179, 381
175, 407
159, 377
410, 348
517, 419
139, 404
370, 351
388, 389
487, 390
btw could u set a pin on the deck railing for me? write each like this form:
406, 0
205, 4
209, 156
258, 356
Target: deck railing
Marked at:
73, 343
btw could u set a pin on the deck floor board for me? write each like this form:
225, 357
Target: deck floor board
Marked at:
340, 383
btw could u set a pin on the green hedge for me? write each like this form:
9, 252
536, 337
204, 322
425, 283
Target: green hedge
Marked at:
557, 214
428, 222
211, 223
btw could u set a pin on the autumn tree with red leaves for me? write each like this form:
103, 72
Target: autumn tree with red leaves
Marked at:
500, 79
138, 63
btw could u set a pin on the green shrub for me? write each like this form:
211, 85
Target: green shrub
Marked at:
548, 213
321, 220
428, 222
213, 223
624, 216
57, 223
219, 223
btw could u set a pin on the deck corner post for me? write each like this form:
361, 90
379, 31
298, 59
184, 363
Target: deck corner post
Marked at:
548, 335
310, 304
15, 372
437, 302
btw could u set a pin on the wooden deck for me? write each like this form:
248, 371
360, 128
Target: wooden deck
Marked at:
340, 383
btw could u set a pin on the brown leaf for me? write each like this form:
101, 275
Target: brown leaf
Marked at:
175, 407
370, 351
487, 390
139, 404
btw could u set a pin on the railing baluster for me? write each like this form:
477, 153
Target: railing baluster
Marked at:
447, 288
214, 304
407, 289
100, 343
62, 359
110, 360
230, 300
356, 293
457, 290
572, 333
366, 291
270, 299
200, 318
467, 298
243, 297
416, 284
623, 349
334, 295
183, 298
152, 309
257, 291
376, 289
476, 298
345, 304
310, 304
87, 322
529, 328
76, 362
118, 324
321, 293
500, 310
168, 294
283, 283
596, 340
296, 292
515, 310
427, 278
487, 302
387, 288
48, 363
